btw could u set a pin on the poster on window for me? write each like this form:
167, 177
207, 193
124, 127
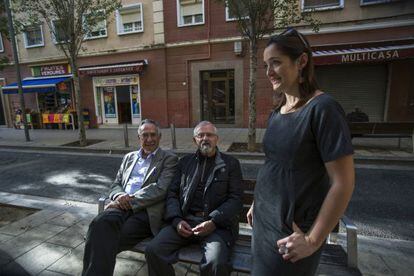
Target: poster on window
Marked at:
109, 102
136, 112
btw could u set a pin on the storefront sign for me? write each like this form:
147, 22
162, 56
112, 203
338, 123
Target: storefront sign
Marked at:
115, 81
53, 70
112, 69
370, 56
50, 70
387, 53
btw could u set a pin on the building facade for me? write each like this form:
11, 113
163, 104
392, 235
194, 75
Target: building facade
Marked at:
182, 61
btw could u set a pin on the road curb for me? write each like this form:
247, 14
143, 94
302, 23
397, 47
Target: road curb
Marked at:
246, 156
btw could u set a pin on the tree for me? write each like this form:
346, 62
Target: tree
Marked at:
4, 30
255, 19
70, 22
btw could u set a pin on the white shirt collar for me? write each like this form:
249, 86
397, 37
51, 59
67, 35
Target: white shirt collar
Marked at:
149, 155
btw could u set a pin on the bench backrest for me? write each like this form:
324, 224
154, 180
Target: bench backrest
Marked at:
248, 188
381, 127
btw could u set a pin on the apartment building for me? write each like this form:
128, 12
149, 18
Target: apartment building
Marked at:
182, 61
364, 55
121, 69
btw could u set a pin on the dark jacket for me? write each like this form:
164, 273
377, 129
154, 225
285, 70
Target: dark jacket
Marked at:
222, 194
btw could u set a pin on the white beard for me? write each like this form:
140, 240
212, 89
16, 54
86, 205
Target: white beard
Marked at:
206, 149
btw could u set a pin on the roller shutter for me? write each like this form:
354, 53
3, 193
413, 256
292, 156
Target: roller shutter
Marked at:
362, 86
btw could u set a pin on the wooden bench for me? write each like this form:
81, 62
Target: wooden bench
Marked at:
383, 130
334, 261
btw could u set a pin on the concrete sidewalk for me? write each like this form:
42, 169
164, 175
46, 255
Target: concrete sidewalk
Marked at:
113, 142
51, 242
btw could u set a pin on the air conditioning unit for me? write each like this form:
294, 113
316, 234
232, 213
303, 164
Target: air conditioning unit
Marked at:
238, 48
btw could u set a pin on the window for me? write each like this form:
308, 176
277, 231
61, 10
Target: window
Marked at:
33, 36
370, 2
99, 28
322, 4
232, 17
190, 12
129, 19
59, 34
1, 44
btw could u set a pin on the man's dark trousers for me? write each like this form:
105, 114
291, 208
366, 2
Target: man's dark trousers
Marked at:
109, 233
162, 251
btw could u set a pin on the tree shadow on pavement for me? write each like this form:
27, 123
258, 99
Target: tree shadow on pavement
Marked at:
9, 267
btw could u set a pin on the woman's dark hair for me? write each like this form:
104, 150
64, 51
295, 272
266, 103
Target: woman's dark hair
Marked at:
293, 44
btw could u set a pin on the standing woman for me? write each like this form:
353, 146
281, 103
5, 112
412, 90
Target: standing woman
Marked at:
308, 177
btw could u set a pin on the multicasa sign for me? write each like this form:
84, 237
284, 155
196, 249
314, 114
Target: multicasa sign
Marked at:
363, 55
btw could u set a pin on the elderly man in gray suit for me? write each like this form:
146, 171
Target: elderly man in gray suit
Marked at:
137, 203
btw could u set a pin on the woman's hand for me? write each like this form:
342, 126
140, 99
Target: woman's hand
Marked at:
296, 246
249, 216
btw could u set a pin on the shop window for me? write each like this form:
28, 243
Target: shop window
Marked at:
33, 36
371, 2
190, 12
322, 4
59, 33
99, 28
1, 44
129, 19
230, 16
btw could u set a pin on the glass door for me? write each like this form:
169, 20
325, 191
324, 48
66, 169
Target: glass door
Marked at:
217, 94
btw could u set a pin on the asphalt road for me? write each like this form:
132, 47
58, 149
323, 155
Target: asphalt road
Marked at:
382, 204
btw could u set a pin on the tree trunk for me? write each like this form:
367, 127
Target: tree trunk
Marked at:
251, 146
78, 103
23, 117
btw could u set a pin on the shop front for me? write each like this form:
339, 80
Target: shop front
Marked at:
117, 98
365, 78
48, 96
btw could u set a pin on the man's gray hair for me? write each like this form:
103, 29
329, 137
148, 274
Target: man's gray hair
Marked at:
201, 124
149, 121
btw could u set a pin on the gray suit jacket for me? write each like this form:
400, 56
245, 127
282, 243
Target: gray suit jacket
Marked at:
152, 194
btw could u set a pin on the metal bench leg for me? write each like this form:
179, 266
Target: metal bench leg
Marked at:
101, 204
351, 242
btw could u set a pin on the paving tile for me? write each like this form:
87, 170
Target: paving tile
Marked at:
41, 257
372, 263
181, 268
65, 219
70, 264
4, 258
399, 264
29, 222
13, 269
4, 237
71, 237
50, 273
127, 267
143, 271
131, 255
30, 239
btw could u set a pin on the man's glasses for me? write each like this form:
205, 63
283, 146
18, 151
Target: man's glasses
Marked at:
293, 32
208, 135
147, 135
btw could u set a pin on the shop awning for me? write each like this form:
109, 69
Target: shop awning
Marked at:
36, 85
367, 54
114, 69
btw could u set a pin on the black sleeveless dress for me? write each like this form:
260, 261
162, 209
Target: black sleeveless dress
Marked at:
292, 184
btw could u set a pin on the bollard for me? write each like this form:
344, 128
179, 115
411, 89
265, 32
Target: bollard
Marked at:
173, 140
126, 135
